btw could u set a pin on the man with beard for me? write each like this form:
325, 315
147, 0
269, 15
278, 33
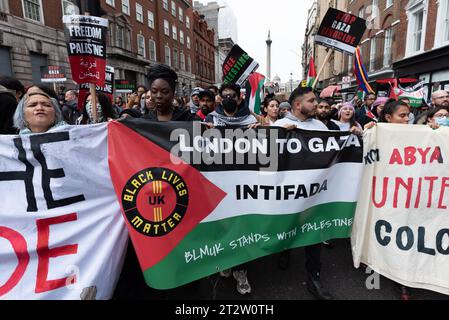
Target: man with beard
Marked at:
304, 110
324, 114
207, 104
232, 110
361, 114
69, 108
440, 99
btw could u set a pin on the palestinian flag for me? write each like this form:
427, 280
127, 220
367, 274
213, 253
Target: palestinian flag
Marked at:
311, 77
254, 87
200, 201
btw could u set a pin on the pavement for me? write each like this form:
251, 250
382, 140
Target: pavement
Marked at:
269, 282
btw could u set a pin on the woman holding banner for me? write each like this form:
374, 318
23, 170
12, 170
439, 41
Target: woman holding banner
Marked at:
396, 112
37, 112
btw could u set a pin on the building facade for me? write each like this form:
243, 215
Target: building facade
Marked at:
405, 38
141, 33
222, 20
204, 51
332, 71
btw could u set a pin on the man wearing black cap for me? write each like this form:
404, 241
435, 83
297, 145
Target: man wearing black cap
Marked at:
304, 109
207, 104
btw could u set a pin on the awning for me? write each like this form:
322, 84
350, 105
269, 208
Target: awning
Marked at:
330, 91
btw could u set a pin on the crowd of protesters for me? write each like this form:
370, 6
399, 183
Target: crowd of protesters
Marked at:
38, 109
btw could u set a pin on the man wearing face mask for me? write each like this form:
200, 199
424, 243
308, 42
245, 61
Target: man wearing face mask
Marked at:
232, 110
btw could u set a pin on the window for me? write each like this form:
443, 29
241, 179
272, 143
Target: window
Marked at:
125, 7
362, 12
181, 14
181, 36
5, 62
442, 32
174, 33
183, 61
139, 12
165, 4
141, 45
187, 22
372, 55
150, 20
175, 58
417, 32
374, 9
388, 3
167, 56
37, 61
111, 3
173, 8
166, 28
416, 29
68, 7
119, 37
189, 64
387, 47
33, 10
152, 47
446, 22
128, 39
188, 42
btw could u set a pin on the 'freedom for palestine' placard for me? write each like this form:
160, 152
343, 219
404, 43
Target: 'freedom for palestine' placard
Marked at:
86, 46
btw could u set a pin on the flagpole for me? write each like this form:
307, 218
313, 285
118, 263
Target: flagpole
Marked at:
93, 93
326, 59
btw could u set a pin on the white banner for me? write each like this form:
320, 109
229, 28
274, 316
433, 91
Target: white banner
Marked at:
61, 231
401, 226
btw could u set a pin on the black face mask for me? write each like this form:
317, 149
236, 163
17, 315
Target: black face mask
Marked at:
229, 105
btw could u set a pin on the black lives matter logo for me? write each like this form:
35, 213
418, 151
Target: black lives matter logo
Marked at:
155, 201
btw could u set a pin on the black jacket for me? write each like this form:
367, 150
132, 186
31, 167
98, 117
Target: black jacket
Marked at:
178, 115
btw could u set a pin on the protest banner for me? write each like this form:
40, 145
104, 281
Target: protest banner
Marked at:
400, 226
414, 93
125, 86
53, 74
340, 31
107, 89
214, 199
61, 231
86, 46
238, 66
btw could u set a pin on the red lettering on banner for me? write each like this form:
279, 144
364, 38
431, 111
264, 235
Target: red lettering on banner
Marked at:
45, 253
19, 245
410, 156
408, 186
431, 181
444, 184
384, 193
396, 157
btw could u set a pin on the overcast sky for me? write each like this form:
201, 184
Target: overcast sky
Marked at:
287, 21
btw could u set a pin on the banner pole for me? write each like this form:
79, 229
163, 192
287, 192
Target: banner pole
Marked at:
326, 59
93, 93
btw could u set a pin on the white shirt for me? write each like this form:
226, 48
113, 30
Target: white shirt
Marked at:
309, 124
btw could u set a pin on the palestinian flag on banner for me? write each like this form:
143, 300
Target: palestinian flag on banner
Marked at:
254, 92
192, 211
311, 77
